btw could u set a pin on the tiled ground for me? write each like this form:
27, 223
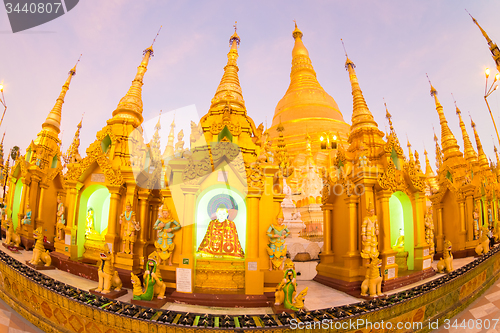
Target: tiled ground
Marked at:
12, 322
483, 312
318, 297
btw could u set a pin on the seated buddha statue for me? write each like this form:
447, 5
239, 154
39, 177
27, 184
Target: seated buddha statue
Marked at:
221, 238
400, 242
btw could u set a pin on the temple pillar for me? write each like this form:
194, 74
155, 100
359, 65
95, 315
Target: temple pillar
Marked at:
422, 257
352, 258
462, 234
254, 278
327, 229
440, 236
253, 200
387, 254
41, 209
143, 216
189, 219
187, 230
112, 237
71, 215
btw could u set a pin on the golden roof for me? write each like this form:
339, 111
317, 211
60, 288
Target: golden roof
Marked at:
469, 152
229, 88
449, 143
483, 161
130, 106
53, 121
305, 99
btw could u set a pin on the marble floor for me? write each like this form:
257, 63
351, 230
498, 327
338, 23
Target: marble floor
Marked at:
318, 297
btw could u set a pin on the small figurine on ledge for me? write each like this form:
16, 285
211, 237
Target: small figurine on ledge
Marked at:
484, 242
108, 277
27, 218
446, 262
475, 216
166, 225
286, 290
429, 230
61, 222
153, 284
369, 234
12, 237
276, 248
39, 252
373, 279
129, 227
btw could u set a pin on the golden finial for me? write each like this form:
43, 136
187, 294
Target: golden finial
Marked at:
150, 49
435, 136
297, 33
433, 90
348, 61
81, 120
408, 144
73, 70
3, 137
388, 116
158, 125
234, 38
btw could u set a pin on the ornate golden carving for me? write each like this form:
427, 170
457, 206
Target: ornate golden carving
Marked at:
387, 180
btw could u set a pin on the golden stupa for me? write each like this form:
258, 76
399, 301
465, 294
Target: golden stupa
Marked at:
306, 106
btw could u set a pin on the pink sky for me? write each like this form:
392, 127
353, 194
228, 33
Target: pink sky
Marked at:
392, 43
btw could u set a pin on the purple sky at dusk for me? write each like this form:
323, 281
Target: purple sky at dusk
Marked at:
392, 43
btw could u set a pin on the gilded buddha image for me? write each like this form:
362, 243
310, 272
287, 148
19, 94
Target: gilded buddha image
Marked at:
221, 237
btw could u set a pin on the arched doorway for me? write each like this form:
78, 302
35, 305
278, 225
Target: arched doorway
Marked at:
16, 206
96, 197
401, 213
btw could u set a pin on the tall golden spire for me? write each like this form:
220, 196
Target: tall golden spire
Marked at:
469, 152
229, 89
483, 160
428, 168
130, 106
439, 153
495, 52
169, 149
361, 115
53, 121
410, 154
448, 142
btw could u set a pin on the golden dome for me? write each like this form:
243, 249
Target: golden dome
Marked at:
306, 103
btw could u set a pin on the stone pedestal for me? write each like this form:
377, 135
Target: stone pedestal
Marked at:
113, 294
127, 261
220, 274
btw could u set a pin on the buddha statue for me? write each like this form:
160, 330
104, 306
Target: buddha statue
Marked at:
128, 227
400, 242
61, 222
429, 230
166, 225
90, 227
276, 248
475, 216
221, 238
369, 233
